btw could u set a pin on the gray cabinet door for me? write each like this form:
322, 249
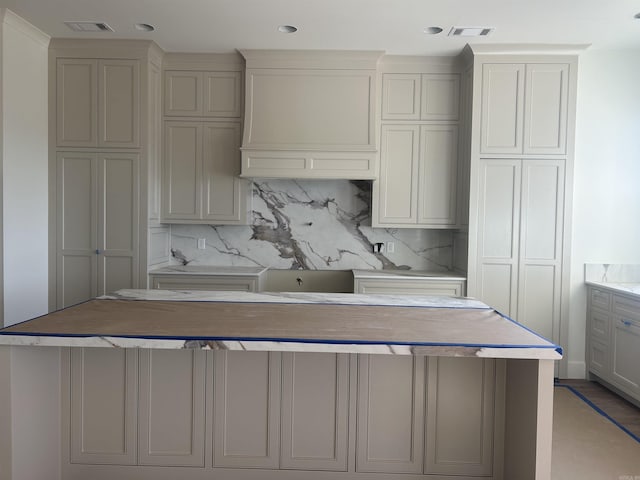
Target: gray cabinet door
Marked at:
103, 405
315, 404
171, 412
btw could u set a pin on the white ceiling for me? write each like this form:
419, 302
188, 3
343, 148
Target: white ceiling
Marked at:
394, 26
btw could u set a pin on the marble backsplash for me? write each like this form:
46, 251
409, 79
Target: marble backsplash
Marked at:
314, 225
612, 273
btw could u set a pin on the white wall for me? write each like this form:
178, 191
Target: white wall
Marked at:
29, 377
25, 170
606, 202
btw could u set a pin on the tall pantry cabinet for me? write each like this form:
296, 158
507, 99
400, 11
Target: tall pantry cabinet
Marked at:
102, 145
521, 151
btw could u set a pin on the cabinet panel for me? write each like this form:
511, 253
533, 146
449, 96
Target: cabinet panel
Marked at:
222, 94
315, 403
438, 175
76, 227
502, 108
625, 346
154, 144
118, 222
497, 286
183, 93
538, 298
172, 408
225, 193
103, 405
460, 411
440, 97
401, 96
540, 267
542, 209
119, 103
545, 124
499, 208
390, 431
76, 102
182, 170
397, 192
246, 409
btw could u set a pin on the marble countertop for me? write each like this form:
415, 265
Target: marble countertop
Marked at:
299, 322
618, 287
395, 274
210, 270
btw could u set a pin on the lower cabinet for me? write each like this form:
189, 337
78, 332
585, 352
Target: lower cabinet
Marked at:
171, 407
254, 413
103, 406
246, 413
439, 423
390, 435
613, 340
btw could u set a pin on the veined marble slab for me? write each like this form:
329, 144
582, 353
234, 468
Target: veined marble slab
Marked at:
616, 287
611, 273
344, 323
312, 225
211, 270
434, 301
394, 274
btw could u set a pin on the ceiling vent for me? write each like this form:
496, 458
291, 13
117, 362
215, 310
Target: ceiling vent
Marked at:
470, 31
89, 26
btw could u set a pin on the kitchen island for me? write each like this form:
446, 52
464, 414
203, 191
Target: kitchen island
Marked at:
322, 386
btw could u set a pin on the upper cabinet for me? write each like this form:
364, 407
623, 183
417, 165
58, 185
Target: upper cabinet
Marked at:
419, 180
203, 94
98, 103
431, 96
201, 167
418, 177
202, 132
524, 108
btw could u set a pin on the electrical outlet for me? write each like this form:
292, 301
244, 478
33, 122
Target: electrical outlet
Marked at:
391, 247
377, 247
202, 243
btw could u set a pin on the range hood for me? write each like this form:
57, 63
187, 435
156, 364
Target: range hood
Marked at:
310, 114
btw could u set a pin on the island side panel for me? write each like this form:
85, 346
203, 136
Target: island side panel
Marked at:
528, 419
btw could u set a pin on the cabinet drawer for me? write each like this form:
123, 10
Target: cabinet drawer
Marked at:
627, 308
599, 358
452, 288
600, 299
599, 323
200, 282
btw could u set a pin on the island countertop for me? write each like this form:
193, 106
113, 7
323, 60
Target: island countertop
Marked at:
316, 322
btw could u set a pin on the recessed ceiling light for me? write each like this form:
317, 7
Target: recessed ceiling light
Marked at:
470, 31
144, 27
432, 30
287, 29
89, 26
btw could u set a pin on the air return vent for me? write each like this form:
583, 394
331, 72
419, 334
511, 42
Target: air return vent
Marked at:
470, 31
89, 26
